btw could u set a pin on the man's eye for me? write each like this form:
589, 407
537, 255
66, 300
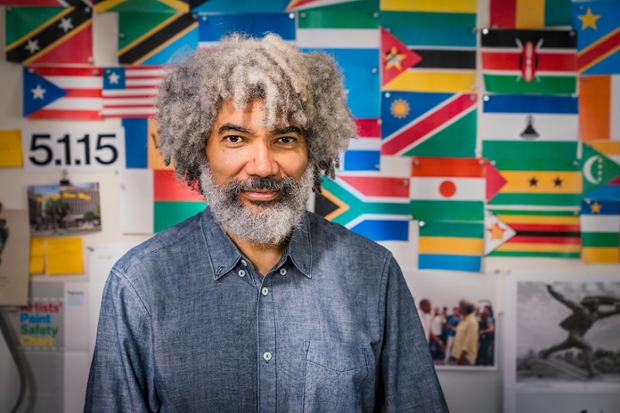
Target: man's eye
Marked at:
233, 138
287, 139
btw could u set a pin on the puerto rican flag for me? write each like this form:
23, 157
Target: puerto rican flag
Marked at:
129, 92
69, 93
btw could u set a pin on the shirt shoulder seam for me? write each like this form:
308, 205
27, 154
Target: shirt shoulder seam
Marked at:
127, 282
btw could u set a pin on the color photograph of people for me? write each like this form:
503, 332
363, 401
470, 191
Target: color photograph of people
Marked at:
459, 334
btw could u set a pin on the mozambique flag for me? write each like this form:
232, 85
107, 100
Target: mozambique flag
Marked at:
143, 5
528, 14
598, 36
600, 231
49, 34
149, 38
538, 181
599, 107
529, 61
456, 246
448, 189
364, 153
440, 34
600, 175
529, 124
376, 207
429, 124
540, 233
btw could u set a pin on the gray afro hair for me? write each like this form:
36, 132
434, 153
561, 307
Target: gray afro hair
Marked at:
305, 88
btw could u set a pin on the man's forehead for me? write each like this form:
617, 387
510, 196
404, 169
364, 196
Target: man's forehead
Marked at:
249, 118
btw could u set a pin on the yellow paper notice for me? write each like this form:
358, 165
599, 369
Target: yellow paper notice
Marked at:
10, 148
37, 256
155, 160
64, 256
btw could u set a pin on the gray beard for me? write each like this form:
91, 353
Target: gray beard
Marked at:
266, 223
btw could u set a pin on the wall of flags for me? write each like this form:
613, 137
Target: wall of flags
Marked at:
512, 130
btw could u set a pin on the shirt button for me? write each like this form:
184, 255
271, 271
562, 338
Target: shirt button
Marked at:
282, 271
241, 273
245, 264
267, 356
265, 291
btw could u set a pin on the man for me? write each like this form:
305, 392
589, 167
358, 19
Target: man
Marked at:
437, 344
424, 313
486, 333
465, 347
451, 323
256, 305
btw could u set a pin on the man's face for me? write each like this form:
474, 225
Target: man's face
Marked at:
426, 307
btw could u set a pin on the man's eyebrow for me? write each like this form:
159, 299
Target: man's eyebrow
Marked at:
231, 127
288, 129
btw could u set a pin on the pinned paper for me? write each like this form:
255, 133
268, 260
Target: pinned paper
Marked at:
10, 148
64, 256
37, 256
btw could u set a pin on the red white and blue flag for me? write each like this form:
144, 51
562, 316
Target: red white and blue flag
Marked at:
364, 153
129, 92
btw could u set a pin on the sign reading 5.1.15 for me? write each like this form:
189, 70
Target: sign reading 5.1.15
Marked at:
77, 150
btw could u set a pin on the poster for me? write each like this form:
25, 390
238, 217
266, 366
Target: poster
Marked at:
13, 257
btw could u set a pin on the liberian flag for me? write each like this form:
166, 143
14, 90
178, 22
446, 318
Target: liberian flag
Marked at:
429, 124
364, 153
129, 92
599, 107
376, 207
69, 93
448, 189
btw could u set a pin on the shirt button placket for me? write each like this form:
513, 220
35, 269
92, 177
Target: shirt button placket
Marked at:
267, 355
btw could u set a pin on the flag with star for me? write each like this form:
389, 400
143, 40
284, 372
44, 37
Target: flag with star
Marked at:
374, 206
454, 246
529, 61
600, 231
364, 153
152, 38
429, 124
551, 233
599, 107
496, 232
601, 175
129, 92
522, 125
597, 24
68, 93
211, 28
49, 35
441, 35
525, 14
395, 57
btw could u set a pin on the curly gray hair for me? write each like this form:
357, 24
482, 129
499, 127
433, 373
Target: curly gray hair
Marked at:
305, 88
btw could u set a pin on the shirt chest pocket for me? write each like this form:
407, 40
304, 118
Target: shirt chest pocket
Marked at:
335, 376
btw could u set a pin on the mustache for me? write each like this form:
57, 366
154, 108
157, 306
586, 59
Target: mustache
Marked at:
235, 187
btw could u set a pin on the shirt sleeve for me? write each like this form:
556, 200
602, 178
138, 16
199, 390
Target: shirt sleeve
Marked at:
121, 373
408, 379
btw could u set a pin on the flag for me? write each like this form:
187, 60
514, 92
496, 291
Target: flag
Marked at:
213, 27
440, 34
364, 152
49, 3
598, 171
376, 207
529, 61
352, 38
526, 14
136, 146
151, 38
305, 4
496, 232
129, 92
238, 6
611, 149
49, 35
599, 107
68, 93
174, 201
552, 233
396, 58
598, 36
456, 246
539, 182
522, 125
447, 189
600, 231
170, 6
429, 124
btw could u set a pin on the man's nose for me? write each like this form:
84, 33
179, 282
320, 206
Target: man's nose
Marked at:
262, 162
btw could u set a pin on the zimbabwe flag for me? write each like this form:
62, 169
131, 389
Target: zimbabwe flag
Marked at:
529, 61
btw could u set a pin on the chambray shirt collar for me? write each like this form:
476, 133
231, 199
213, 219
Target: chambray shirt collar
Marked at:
224, 255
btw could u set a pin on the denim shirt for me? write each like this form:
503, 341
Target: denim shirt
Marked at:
188, 325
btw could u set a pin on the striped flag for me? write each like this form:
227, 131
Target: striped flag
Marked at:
456, 246
522, 125
364, 153
213, 27
143, 5
496, 232
448, 189
173, 201
429, 124
600, 231
129, 92
68, 93
611, 149
49, 35
526, 14
598, 36
374, 206
599, 173
529, 61
305, 4
238, 6
599, 107
440, 33
50, 3
540, 233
